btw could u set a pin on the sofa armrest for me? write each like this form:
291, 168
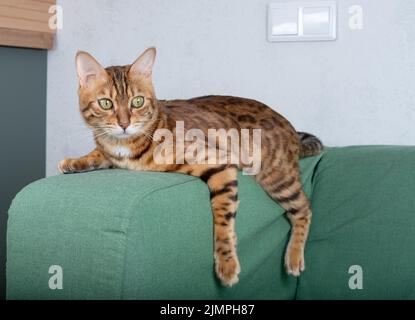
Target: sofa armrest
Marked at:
141, 235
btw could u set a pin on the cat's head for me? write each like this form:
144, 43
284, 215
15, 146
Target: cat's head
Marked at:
117, 102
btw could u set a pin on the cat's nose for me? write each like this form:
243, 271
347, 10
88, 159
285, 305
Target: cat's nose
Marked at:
124, 125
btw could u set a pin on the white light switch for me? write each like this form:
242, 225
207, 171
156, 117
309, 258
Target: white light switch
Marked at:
316, 21
284, 21
302, 21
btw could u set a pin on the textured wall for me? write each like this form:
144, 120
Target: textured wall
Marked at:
356, 90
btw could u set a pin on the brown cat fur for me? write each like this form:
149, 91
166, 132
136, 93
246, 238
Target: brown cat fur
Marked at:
281, 148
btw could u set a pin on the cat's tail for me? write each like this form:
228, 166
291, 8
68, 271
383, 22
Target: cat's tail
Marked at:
310, 145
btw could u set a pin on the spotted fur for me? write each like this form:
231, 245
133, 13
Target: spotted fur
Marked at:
281, 149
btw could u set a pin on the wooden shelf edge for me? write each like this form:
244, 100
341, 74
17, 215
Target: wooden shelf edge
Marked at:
26, 39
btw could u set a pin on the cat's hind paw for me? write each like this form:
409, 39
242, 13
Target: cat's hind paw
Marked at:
227, 270
294, 260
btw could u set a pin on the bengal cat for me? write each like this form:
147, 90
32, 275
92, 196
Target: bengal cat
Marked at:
120, 106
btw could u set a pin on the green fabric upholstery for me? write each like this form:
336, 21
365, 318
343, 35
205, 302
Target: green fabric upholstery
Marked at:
142, 235
364, 214
132, 235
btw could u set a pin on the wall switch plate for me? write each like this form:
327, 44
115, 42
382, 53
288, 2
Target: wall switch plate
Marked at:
302, 21
284, 22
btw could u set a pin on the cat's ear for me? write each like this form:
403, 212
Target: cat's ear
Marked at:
143, 66
88, 68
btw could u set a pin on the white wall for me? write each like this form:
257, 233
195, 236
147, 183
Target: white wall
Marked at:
356, 90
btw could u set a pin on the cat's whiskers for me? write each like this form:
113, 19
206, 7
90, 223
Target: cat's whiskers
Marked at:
149, 135
101, 134
103, 127
148, 138
146, 134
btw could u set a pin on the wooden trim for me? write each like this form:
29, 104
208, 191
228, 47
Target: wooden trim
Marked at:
26, 39
24, 13
35, 5
25, 23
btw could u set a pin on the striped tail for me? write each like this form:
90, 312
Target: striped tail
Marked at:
310, 145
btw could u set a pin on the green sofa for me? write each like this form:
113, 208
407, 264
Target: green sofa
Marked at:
143, 235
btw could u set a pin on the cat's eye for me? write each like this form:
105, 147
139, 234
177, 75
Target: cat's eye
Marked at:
105, 104
137, 102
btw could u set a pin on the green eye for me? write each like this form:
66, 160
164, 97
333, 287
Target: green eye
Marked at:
105, 104
137, 102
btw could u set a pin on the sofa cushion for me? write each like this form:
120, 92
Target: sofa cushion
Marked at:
364, 215
141, 235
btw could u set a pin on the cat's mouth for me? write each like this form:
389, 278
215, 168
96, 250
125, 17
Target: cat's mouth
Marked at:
129, 132
123, 135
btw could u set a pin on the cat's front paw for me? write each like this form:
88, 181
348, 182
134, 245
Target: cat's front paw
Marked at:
294, 260
227, 270
65, 166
